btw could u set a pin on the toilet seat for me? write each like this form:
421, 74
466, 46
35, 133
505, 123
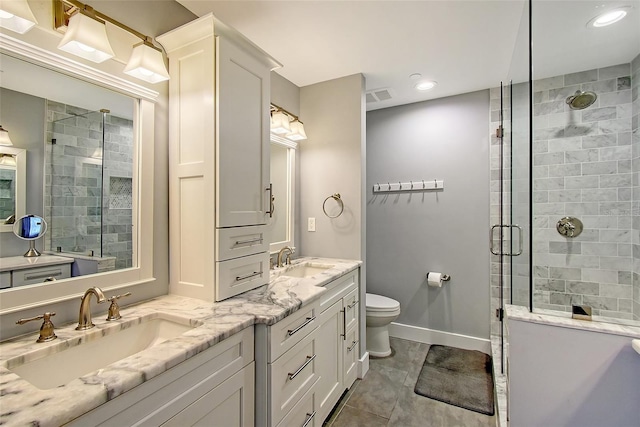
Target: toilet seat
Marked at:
379, 303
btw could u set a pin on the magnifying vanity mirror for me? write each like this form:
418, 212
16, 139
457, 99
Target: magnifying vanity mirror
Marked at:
31, 228
82, 144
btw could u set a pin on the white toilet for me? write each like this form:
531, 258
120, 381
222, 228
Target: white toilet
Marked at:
380, 312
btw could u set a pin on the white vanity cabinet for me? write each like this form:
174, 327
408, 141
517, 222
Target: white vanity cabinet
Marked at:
287, 360
21, 271
218, 160
213, 388
338, 341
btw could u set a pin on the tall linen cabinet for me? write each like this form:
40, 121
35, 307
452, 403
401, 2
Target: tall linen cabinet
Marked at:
219, 193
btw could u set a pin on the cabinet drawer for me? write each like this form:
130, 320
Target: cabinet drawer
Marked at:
241, 241
241, 274
303, 413
41, 274
291, 330
350, 352
351, 309
338, 289
291, 376
5, 279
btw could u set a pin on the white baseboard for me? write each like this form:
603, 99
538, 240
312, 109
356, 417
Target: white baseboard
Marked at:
363, 365
430, 336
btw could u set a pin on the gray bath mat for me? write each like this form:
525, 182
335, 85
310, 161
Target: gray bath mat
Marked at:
458, 377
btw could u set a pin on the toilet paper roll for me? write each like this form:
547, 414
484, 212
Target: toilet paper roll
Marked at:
434, 279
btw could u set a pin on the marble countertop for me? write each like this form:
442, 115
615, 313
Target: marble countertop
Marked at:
21, 262
558, 318
24, 404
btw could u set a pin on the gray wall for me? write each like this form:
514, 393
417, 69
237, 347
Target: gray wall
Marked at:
568, 377
331, 162
411, 234
23, 115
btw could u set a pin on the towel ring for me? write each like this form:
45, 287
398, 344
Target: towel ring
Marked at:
338, 199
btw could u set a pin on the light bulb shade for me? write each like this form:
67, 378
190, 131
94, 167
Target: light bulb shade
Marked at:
7, 160
16, 15
146, 63
297, 131
280, 123
4, 137
87, 38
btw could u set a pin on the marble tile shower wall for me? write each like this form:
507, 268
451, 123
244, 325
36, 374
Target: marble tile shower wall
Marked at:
583, 168
635, 144
74, 186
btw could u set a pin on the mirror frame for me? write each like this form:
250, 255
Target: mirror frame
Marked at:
291, 146
31, 296
20, 154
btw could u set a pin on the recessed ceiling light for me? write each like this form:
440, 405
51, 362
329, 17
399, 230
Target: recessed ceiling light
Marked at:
425, 85
609, 17
415, 76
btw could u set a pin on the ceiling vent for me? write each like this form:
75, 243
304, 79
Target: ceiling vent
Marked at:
379, 95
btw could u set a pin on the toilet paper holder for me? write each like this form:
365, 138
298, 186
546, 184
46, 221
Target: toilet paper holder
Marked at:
445, 277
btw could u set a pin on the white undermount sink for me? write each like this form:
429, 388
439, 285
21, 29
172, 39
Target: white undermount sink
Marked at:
306, 270
59, 368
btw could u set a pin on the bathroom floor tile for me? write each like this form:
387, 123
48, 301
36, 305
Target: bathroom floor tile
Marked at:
385, 396
352, 417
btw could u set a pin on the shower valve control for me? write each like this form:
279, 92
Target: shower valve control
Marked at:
569, 226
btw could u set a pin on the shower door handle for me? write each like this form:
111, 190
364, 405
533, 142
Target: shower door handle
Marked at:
520, 236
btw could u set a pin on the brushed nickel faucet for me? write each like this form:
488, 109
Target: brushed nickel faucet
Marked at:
46, 330
84, 317
288, 259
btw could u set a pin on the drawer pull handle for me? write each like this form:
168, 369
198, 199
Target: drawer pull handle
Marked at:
353, 345
309, 418
248, 276
248, 242
304, 365
45, 275
350, 306
290, 332
344, 324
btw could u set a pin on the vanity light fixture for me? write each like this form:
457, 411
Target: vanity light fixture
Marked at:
297, 131
285, 124
609, 17
280, 122
7, 160
86, 37
146, 61
16, 15
4, 137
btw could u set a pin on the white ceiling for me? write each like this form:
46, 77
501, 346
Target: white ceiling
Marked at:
463, 45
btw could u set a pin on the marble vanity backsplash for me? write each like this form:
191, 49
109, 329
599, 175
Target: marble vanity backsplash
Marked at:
24, 404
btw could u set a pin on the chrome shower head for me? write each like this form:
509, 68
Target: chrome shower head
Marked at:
581, 100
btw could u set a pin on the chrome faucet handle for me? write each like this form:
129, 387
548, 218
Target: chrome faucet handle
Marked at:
114, 309
46, 330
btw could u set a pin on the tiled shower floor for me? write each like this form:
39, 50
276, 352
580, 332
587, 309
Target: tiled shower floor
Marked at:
385, 396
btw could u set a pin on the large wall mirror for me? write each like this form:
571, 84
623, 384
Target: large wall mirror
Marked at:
283, 160
88, 139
